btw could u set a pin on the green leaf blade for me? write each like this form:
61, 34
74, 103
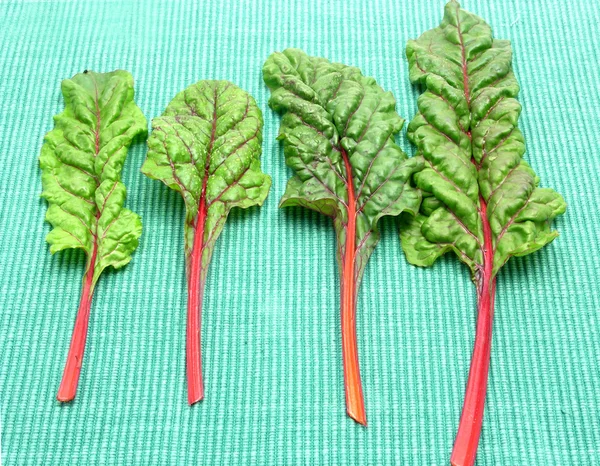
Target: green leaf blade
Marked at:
328, 107
466, 130
81, 157
207, 144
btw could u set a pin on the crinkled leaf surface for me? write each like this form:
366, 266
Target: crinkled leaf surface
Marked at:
467, 136
331, 113
81, 162
207, 145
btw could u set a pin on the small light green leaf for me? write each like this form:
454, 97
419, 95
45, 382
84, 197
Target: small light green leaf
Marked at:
81, 162
466, 133
207, 145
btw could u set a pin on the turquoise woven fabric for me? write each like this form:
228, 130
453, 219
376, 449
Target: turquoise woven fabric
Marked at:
271, 339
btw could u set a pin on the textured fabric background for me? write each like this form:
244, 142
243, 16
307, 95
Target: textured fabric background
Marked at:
271, 338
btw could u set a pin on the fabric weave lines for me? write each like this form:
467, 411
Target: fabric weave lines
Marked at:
271, 338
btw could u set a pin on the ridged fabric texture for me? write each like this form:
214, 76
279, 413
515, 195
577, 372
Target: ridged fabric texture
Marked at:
271, 338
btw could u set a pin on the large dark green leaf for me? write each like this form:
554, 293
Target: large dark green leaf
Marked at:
334, 119
338, 129
467, 135
480, 198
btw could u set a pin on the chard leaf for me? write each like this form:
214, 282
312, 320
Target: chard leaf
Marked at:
206, 145
81, 162
338, 129
466, 133
480, 198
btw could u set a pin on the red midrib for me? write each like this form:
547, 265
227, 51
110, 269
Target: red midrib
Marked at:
196, 281
469, 429
195, 295
70, 379
471, 419
352, 383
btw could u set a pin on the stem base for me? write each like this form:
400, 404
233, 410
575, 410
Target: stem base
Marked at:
70, 379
